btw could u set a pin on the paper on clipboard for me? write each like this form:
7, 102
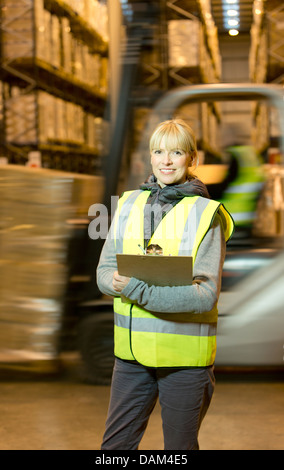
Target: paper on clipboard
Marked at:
156, 270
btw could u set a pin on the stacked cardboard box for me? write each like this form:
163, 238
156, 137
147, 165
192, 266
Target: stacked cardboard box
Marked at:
270, 210
37, 207
212, 42
275, 17
188, 41
40, 118
266, 59
20, 117
1, 109
50, 40
17, 25
184, 43
261, 130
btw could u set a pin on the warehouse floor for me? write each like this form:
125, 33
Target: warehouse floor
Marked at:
247, 413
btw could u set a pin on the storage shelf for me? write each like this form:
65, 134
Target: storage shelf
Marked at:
66, 147
61, 157
53, 100
78, 25
57, 82
267, 44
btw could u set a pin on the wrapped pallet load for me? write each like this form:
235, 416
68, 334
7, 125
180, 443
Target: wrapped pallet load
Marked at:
184, 37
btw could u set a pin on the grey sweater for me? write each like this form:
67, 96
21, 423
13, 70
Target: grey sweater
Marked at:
195, 299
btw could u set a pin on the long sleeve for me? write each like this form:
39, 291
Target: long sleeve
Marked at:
106, 267
200, 297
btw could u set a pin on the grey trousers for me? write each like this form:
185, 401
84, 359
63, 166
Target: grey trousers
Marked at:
184, 396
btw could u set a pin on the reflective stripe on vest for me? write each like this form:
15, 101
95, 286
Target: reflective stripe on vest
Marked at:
166, 340
159, 325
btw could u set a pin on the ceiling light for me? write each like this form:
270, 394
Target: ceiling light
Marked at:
233, 22
233, 32
232, 12
231, 15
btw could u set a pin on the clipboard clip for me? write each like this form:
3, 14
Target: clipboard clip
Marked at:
151, 250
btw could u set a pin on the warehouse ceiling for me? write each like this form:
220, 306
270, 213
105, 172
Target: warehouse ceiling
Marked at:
220, 10
245, 14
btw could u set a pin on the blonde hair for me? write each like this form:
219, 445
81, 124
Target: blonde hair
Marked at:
178, 135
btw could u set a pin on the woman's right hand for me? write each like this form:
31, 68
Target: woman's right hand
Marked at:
119, 282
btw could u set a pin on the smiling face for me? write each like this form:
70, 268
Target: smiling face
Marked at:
172, 148
170, 166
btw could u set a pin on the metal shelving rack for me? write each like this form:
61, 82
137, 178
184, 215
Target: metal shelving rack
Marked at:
275, 21
28, 72
267, 44
266, 64
157, 73
160, 72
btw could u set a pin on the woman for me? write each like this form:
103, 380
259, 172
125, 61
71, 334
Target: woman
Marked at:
165, 337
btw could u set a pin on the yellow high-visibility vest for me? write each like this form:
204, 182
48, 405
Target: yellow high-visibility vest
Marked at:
157, 339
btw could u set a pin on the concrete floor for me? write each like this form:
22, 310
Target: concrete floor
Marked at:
66, 414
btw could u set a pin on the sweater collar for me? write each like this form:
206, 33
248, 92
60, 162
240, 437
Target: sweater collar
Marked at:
192, 187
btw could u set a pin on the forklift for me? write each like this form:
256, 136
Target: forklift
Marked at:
93, 332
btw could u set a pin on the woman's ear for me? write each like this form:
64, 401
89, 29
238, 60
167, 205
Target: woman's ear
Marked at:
194, 159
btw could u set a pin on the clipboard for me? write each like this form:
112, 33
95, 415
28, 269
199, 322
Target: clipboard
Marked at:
156, 270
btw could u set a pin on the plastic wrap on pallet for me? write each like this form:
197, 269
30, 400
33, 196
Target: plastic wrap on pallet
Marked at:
183, 43
270, 209
275, 18
20, 117
211, 33
266, 59
261, 130
31, 31
29, 328
93, 12
37, 207
57, 120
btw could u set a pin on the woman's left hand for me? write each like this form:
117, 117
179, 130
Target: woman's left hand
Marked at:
119, 282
